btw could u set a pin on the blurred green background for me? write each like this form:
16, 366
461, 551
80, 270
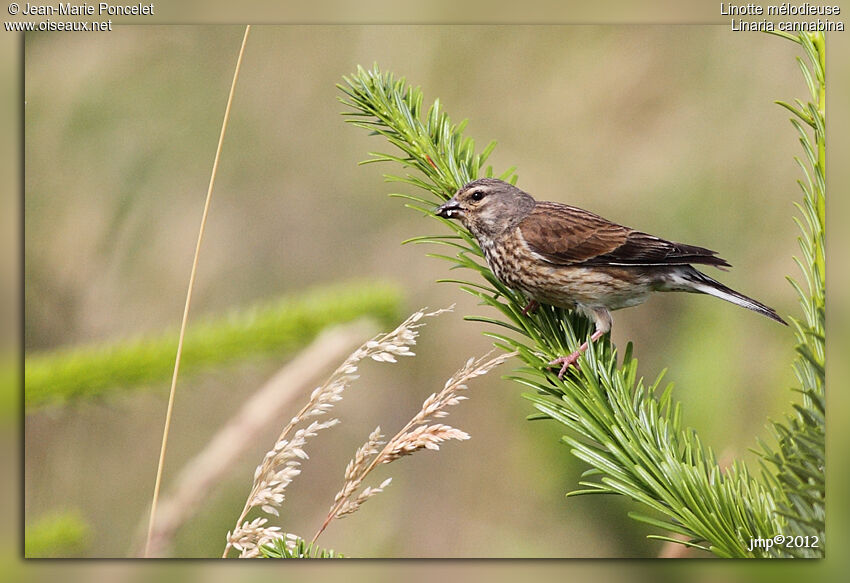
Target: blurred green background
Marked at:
671, 130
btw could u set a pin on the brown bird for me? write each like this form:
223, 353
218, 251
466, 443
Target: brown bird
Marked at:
564, 256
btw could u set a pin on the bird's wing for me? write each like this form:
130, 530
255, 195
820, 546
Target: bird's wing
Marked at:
567, 235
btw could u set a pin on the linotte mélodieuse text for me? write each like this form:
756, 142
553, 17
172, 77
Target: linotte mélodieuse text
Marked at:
807, 17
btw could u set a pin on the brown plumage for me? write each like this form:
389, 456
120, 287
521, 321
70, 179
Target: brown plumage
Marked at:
568, 257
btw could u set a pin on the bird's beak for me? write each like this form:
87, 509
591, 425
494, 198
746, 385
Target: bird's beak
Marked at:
448, 210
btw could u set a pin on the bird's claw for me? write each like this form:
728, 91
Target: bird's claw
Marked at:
566, 361
531, 307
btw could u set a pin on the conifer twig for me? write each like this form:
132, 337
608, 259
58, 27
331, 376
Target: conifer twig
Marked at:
628, 431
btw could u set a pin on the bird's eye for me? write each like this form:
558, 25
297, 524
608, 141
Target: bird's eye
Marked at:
477, 195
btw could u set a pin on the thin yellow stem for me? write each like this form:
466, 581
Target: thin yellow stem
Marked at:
189, 296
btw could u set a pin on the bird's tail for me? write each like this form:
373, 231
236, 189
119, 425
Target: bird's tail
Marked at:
692, 280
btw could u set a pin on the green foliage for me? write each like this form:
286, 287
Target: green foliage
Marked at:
800, 457
628, 432
59, 535
301, 550
277, 327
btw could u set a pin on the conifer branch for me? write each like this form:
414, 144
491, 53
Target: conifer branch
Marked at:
629, 432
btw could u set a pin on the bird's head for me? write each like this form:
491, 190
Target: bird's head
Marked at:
487, 206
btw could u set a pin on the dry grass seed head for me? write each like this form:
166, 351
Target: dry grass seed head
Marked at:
281, 465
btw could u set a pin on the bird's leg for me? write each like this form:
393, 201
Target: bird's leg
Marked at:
570, 360
603, 320
531, 307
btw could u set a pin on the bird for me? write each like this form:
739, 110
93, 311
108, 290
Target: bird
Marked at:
565, 256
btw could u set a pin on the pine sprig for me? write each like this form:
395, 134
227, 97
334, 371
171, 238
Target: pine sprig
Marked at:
293, 547
628, 432
800, 457
284, 325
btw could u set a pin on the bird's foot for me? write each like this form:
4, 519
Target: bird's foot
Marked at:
531, 307
567, 362
570, 360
